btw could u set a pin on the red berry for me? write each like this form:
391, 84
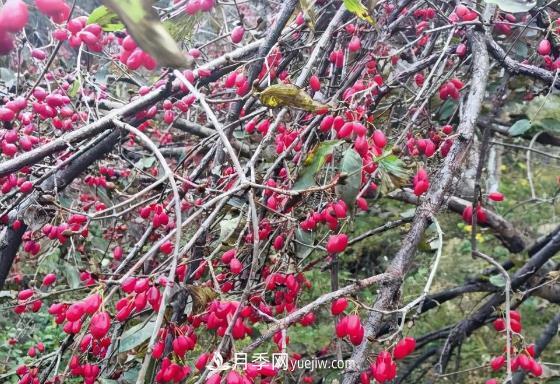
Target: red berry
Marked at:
75, 312
6, 45
515, 326
515, 315
338, 306
228, 256
341, 327
499, 325
364, 378
14, 16
118, 253
362, 204
234, 378
237, 34
536, 368
337, 243
496, 196
497, 363
99, 325
166, 247
379, 138
6, 114
447, 129
26, 187
544, 48
235, 266
308, 319
25, 294
49, 279
419, 79
314, 83
278, 242
461, 50
404, 348
128, 285
355, 44
357, 337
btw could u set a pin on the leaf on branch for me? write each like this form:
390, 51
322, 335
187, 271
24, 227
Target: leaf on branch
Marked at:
183, 26
313, 164
351, 169
144, 25
73, 91
201, 297
309, 15
107, 19
229, 226
520, 127
497, 280
447, 109
304, 243
136, 336
543, 112
72, 275
360, 10
288, 95
514, 6
392, 172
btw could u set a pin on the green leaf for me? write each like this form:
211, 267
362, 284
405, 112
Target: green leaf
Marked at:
497, 280
305, 241
394, 165
360, 10
351, 167
447, 109
544, 112
392, 172
143, 24
514, 6
145, 162
72, 275
183, 26
228, 227
73, 91
130, 375
520, 127
520, 49
313, 164
50, 261
136, 336
107, 19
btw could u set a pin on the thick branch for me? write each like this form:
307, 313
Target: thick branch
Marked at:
86, 132
60, 180
389, 293
478, 319
510, 237
516, 67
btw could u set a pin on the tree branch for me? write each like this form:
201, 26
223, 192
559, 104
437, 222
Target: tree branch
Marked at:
389, 293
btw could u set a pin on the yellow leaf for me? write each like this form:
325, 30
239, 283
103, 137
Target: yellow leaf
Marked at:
144, 25
201, 297
306, 7
359, 10
288, 95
